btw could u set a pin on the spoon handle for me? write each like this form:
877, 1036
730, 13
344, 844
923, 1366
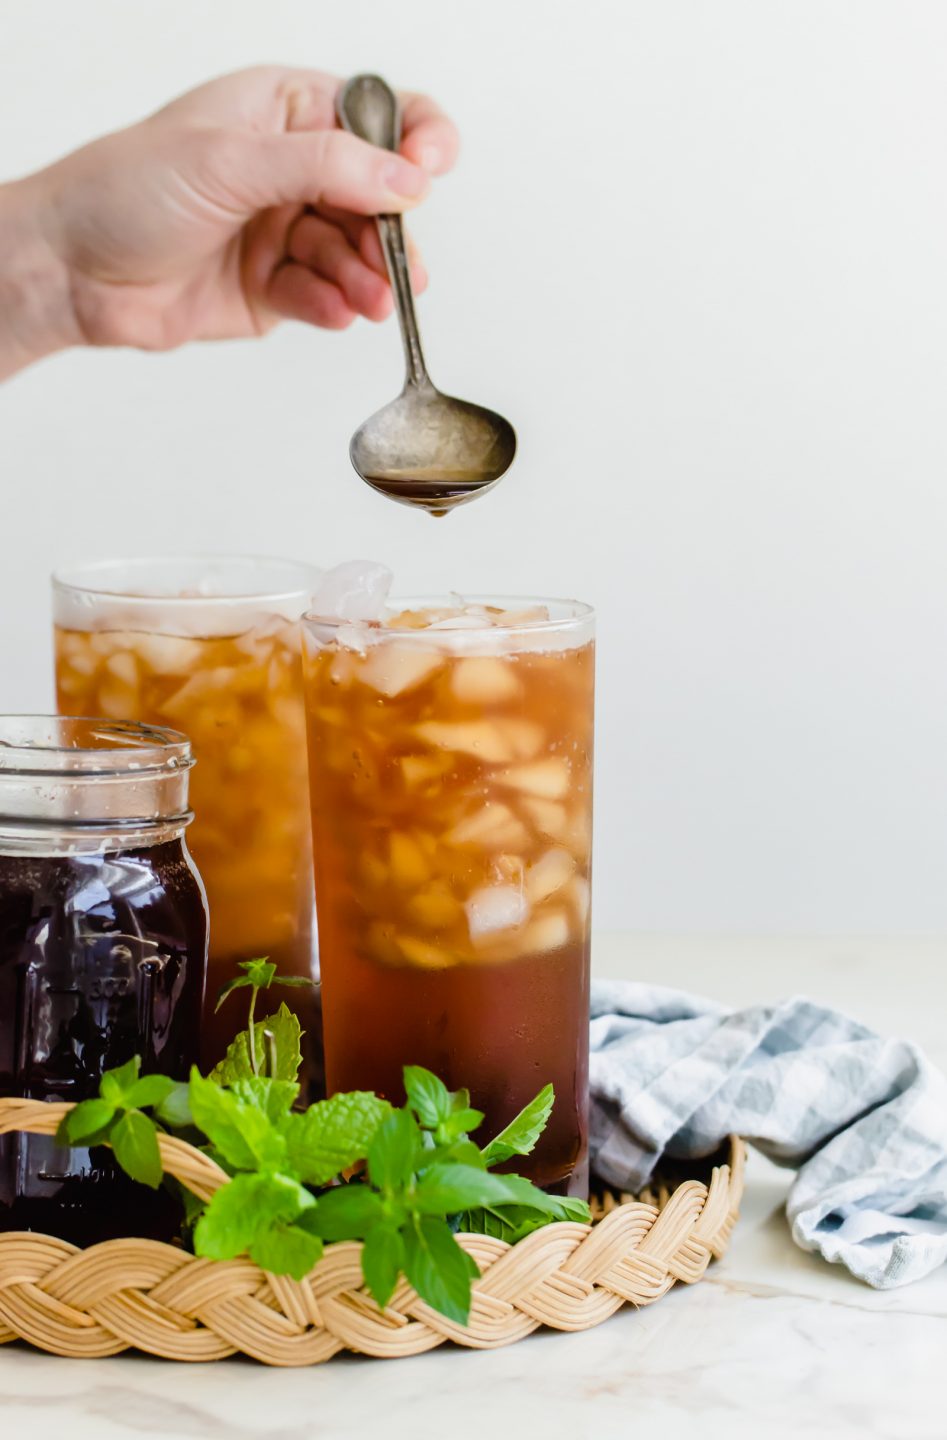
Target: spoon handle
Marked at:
368, 108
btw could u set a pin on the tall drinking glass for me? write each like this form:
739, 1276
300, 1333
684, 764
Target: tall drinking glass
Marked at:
211, 646
451, 776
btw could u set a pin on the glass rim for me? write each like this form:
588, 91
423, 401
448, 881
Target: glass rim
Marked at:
79, 579
38, 745
578, 611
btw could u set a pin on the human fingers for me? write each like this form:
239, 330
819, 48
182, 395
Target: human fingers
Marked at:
429, 137
309, 167
327, 251
362, 233
294, 291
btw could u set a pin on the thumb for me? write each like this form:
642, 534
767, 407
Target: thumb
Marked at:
305, 167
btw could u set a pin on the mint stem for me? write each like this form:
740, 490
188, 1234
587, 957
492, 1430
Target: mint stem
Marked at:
254, 1063
269, 1045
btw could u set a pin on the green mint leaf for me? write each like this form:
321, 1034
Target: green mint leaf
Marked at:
458, 1152
437, 1267
193, 1205
294, 980
286, 1250
458, 1124
382, 1262
332, 1134
259, 972
428, 1096
135, 1142
556, 1207
274, 1097
239, 1212
394, 1151
520, 1136
115, 1083
88, 1119
286, 1033
346, 1213
149, 1090
447, 1189
243, 1134
175, 1109
508, 1222
231, 985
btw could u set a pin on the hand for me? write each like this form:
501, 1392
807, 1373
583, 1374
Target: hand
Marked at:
239, 203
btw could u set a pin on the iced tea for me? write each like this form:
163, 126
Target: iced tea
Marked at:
219, 660
451, 778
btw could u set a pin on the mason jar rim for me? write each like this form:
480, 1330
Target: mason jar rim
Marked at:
576, 611
64, 746
81, 579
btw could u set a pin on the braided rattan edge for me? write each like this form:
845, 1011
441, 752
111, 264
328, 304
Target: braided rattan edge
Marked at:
139, 1294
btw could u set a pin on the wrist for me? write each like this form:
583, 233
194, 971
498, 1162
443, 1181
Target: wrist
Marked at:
36, 313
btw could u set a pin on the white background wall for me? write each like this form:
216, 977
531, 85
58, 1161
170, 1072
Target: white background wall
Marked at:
696, 251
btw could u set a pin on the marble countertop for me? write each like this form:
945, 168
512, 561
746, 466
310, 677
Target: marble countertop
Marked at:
773, 1342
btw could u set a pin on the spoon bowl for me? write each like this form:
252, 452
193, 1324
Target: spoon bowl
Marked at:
431, 450
424, 448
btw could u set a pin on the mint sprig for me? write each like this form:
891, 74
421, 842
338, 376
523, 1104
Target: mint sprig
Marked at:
260, 975
116, 1118
419, 1177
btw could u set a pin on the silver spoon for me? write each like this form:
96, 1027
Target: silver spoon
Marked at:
425, 448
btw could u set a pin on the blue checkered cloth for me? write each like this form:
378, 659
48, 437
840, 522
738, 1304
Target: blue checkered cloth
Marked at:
862, 1119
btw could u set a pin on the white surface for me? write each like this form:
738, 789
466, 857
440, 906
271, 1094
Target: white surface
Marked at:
697, 253
773, 1342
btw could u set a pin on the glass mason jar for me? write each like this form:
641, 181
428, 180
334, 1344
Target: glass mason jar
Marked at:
451, 768
210, 645
103, 949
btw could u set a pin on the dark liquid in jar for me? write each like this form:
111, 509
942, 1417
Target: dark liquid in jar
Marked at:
101, 957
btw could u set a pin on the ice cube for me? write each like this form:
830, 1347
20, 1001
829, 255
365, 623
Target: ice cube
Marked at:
460, 621
168, 654
423, 954
548, 931
479, 738
118, 701
493, 826
483, 679
406, 859
550, 872
123, 666
535, 614
419, 769
548, 778
549, 817
394, 669
81, 662
525, 737
434, 907
355, 590
494, 908
580, 892
353, 636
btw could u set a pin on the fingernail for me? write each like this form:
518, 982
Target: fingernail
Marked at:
429, 157
403, 178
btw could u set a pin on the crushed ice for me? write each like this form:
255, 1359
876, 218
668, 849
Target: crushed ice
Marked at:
496, 907
355, 590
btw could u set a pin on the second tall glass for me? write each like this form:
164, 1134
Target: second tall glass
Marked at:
210, 646
451, 765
